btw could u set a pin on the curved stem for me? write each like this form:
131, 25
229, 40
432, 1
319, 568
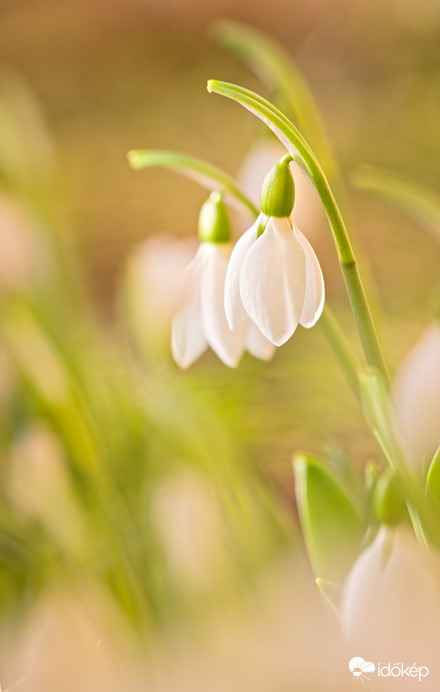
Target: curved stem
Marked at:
274, 66
194, 168
419, 202
300, 150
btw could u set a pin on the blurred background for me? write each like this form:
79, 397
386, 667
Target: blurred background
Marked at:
88, 390
113, 76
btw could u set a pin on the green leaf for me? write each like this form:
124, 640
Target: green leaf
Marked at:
203, 173
331, 522
433, 479
389, 507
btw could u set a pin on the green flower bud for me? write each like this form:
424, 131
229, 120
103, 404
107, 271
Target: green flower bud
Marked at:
278, 191
214, 224
389, 508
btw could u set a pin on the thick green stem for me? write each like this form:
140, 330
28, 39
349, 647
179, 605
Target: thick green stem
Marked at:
364, 320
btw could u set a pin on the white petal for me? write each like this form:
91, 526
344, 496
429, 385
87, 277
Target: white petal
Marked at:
228, 344
391, 597
235, 311
257, 344
315, 292
187, 339
417, 397
361, 595
273, 280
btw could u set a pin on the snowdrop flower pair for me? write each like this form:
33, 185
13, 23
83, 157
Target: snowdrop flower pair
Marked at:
201, 321
274, 276
254, 296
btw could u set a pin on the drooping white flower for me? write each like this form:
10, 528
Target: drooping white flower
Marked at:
417, 397
390, 601
274, 277
201, 321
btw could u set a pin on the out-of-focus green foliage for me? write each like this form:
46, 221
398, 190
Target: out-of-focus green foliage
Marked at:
331, 522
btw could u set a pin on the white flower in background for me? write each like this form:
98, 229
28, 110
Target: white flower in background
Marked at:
417, 397
201, 321
152, 264
188, 517
151, 299
390, 601
274, 276
307, 212
20, 255
71, 639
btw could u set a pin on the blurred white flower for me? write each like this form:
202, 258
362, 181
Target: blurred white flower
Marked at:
38, 484
277, 638
417, 397
20, 255
188, 518
154, 298
71, 640
307, 212
201, 322
275, 279
390, 602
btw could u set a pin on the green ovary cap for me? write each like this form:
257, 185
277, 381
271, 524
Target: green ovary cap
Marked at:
214, 224
278, 191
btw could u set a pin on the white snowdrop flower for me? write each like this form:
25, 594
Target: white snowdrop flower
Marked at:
274, 276
201, 321
417, 397
391, 598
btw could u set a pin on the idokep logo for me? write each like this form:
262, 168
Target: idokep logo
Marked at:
360, 669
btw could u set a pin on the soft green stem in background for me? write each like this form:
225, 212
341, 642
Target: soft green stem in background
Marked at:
420, 203
303, 155
342, 349
200, 171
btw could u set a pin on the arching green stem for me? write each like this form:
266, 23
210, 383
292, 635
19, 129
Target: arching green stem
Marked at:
300, 150
275, 67
204, 173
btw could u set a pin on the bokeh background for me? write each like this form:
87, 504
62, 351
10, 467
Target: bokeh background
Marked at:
107, 76
111, 76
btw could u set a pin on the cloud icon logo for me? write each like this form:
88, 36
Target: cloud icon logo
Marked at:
359, 667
